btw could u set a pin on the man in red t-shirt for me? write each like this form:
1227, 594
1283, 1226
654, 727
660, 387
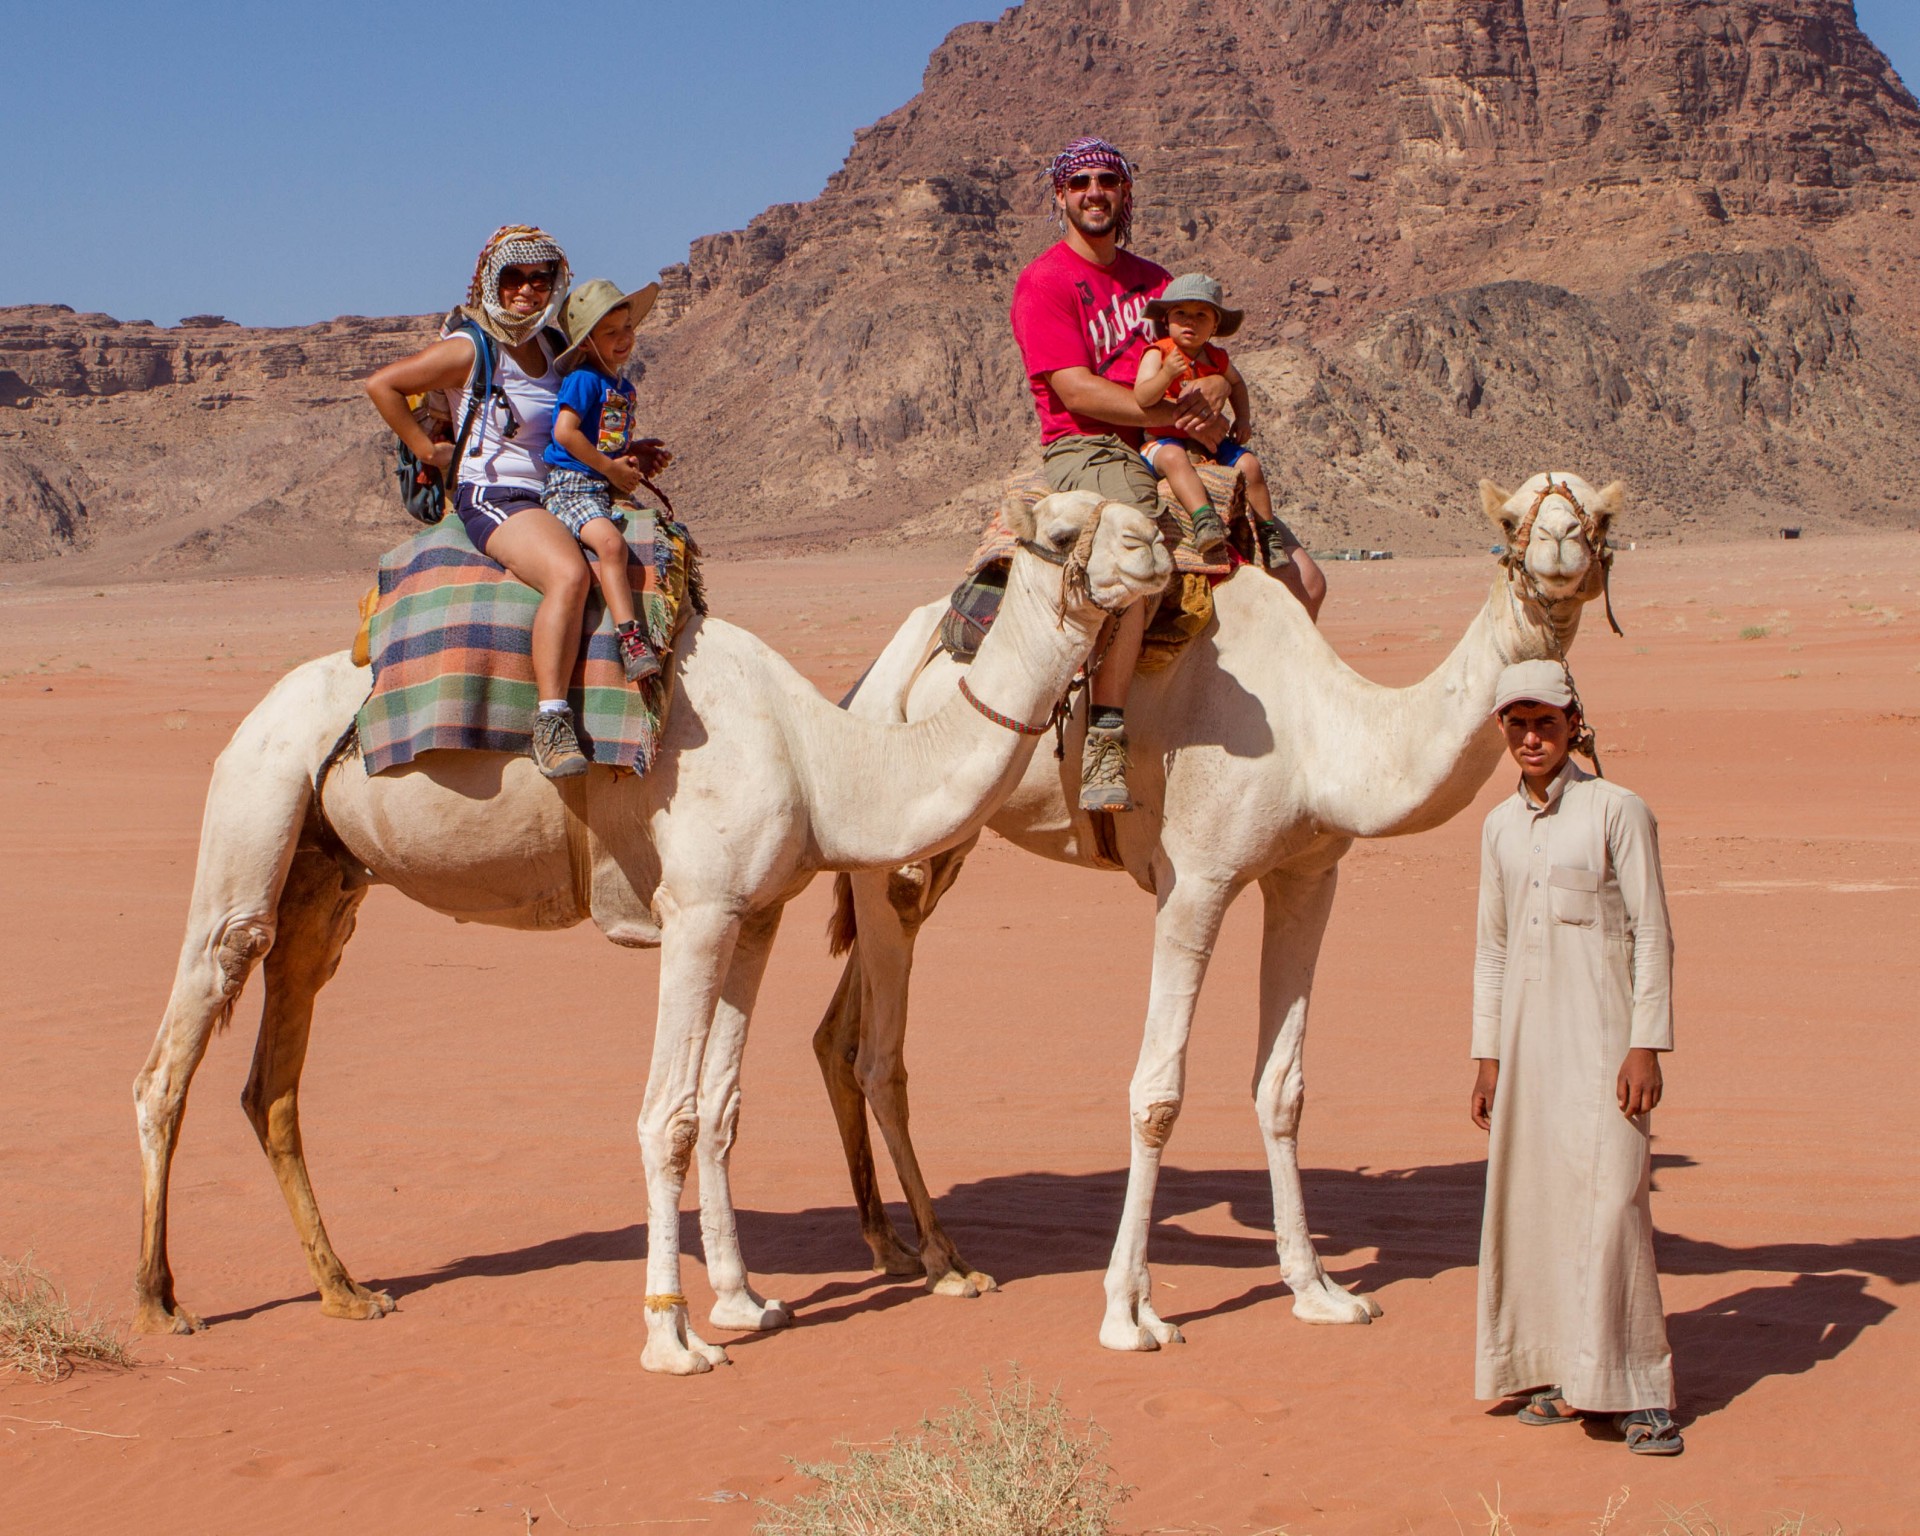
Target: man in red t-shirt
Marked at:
1079, 318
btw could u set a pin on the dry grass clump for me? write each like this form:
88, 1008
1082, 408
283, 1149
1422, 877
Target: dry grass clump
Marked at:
1691, 1521
1005, 1463
40, 1335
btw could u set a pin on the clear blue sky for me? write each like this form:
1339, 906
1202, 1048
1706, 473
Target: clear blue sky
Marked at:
286, 162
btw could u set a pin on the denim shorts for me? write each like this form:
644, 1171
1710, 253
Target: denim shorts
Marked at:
484, 508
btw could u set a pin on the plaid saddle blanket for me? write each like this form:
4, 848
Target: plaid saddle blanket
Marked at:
450, 640
1182, 612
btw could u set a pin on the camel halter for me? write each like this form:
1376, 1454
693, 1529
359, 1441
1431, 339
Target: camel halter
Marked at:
1073, 588
1515, 560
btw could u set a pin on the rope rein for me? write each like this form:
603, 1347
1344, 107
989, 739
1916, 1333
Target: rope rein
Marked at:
1074, 589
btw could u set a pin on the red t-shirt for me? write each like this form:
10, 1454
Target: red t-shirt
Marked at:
1069, 313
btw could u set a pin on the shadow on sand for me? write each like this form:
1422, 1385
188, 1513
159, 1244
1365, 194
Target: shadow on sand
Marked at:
1417, 1222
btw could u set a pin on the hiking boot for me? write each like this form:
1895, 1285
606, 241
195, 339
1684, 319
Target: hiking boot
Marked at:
1209, 532
1271, 540
1103, 772
639, 658
556, 750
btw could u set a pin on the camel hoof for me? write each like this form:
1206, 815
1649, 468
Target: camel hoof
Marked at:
358, 1304
747, 1313
153, 1317
1127, 1337
1165, 1333
955, 1282
1332, 1303
677, 1360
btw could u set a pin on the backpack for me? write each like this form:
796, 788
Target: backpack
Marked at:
421, 491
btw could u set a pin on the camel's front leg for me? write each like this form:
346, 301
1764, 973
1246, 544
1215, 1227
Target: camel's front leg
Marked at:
1184, 931
890, 916
736, 1303
1297, 907
316, 915
695, 950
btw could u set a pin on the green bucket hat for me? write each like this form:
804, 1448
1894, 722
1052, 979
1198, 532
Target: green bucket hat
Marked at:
1196, 288
591, 302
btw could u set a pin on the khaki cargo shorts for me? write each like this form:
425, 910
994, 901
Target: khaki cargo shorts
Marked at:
1104, 464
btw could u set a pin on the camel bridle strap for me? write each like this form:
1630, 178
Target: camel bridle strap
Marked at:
1018, 727
1515, 559
1073, 566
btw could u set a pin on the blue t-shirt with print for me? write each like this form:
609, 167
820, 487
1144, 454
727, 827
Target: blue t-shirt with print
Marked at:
605, 408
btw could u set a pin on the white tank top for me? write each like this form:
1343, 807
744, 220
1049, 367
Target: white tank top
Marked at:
504, 460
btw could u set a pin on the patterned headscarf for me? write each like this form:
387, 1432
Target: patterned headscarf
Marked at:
513, 245
1089, 153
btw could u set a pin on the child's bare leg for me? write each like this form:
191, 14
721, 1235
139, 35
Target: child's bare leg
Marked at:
1176, 468
602, 535
1172, 464
1258, 497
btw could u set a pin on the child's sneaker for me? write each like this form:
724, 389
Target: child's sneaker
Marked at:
1209, 532
639, 658
556, 750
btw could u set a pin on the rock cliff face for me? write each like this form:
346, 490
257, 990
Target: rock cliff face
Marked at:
1661, 239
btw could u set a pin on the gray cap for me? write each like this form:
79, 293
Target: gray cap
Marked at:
1539, 682
1196, 288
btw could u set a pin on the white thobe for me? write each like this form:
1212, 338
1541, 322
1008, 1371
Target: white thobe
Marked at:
1573, 967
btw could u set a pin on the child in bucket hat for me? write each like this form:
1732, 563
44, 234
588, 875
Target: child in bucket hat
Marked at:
589, 459
1189, 313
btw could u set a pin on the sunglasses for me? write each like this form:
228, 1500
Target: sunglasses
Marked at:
1106, 181
526, 277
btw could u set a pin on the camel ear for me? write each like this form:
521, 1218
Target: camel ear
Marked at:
1016, 511
1607, 505
1493, 501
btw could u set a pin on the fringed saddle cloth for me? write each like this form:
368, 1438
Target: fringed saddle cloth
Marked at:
1183, 610
450, 640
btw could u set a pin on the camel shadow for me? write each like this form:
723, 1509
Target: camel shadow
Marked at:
1731, 1345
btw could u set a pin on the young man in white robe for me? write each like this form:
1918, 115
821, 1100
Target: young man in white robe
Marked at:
1572, 1009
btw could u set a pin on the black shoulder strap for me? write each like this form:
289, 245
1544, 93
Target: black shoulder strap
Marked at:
479, 381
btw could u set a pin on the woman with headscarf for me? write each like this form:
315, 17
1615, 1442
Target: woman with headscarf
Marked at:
497, 482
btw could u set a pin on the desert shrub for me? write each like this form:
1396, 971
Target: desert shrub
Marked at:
40, 1334
1756, 632
1004, 1463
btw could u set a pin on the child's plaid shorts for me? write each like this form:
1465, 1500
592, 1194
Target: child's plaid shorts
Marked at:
577, 498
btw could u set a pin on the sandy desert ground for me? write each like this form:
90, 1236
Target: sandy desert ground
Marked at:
470, 1098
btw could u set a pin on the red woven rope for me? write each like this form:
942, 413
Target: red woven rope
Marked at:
1018, 727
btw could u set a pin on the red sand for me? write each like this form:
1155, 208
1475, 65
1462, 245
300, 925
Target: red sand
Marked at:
470, 1101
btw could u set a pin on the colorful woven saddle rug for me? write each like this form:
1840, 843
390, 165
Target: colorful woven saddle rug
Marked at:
450, 640
1183, 610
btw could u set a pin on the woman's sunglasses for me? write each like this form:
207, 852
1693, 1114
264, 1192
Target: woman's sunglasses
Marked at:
1106, 181
526, 277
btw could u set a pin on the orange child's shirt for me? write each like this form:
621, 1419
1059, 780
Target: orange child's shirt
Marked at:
1211, 361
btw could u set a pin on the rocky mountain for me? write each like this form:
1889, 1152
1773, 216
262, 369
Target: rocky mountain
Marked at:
1665, 240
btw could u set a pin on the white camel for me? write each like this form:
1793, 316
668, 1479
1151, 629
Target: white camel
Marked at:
1258, 757
759, 784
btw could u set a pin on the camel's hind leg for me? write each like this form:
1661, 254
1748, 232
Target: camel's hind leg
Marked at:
316, 917
1297, 908
255, 806
889, 918
836, 1046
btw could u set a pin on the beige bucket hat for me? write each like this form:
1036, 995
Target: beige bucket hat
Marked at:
591, 302
1196, 288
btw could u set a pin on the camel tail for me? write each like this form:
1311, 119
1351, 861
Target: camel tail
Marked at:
842, 927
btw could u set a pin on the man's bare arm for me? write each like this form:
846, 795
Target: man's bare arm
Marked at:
1195, 414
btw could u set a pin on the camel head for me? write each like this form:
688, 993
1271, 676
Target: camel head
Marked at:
1555, 528
1113, 553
